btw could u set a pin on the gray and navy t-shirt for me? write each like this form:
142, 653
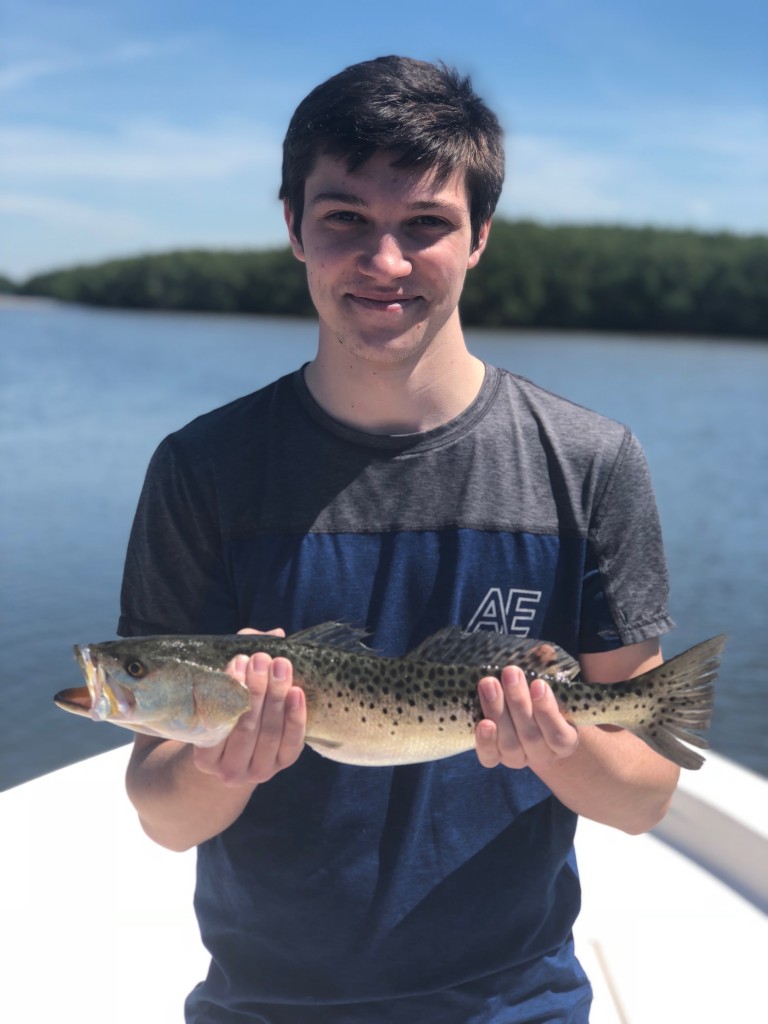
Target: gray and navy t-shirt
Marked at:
442, 892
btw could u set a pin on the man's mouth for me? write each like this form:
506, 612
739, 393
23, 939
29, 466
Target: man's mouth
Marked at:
383, 303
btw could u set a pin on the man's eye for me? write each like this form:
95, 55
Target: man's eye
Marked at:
427, 221
344, 216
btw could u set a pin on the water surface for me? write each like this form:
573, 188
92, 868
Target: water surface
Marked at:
86, 395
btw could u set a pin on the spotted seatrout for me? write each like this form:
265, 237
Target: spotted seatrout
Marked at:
366, 709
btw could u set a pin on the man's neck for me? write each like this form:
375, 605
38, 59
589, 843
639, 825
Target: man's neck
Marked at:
395, 398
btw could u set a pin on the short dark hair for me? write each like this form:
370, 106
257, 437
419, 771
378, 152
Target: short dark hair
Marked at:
426, 115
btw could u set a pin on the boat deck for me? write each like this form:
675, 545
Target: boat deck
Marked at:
95, 916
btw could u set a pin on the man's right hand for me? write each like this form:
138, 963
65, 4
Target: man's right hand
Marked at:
270, 736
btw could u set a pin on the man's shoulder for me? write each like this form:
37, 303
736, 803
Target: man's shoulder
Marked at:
238, 419
558, 420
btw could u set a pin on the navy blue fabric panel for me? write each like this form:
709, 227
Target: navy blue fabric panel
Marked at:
408, 584
387, 901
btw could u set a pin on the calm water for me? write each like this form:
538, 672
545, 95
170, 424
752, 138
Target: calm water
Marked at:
85, 396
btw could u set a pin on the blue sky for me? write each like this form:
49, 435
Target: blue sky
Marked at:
142, 126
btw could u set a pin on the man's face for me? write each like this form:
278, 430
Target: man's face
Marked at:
386, 252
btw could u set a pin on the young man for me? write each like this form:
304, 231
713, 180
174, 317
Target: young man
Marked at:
397, 482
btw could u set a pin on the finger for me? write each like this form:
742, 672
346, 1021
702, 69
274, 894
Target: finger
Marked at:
503, 741
515, 731
233, 765
486, 746
519, 706
208, 759
272, 718
262, 632
560, 736
294, 728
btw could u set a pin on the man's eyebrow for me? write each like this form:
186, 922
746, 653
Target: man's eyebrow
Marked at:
337, 197
350, 199
436, 204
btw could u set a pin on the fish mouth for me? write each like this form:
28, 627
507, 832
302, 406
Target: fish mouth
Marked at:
76, 699
101, 699
81, 700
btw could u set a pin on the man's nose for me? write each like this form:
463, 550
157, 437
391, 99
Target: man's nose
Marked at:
386, 257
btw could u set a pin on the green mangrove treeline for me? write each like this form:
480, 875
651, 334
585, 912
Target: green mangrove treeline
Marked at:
612, 278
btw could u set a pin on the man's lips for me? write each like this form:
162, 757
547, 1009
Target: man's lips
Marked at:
383, 302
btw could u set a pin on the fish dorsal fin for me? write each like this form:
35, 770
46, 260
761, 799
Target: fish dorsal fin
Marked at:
485, 647
334, 634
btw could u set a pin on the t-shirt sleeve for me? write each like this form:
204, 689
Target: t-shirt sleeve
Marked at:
629, 570
174, 551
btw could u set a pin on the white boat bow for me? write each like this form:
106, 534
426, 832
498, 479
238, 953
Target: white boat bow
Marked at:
98, 921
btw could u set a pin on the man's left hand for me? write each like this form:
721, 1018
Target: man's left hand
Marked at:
523, 726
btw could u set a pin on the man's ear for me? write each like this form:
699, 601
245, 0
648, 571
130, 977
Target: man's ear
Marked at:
298, 248
482, 239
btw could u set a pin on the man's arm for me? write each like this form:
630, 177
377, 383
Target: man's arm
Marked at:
184, 794
601, 772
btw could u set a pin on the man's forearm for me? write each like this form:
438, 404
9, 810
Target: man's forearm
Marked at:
178, 805
185, 795
614, 778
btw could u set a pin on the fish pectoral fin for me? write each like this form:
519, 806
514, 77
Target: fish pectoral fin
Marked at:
319, 741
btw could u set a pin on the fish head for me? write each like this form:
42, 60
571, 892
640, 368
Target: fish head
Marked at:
152, 685
103, 698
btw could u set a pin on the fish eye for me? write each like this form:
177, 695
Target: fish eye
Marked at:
135, 668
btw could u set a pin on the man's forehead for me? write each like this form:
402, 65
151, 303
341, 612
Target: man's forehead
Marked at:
331, 179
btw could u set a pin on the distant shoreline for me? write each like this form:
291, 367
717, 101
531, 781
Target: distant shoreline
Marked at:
25, 300
594, 278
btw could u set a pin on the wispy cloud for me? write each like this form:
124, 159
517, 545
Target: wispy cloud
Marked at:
136, 152
549, 178
696, 167
70, 213
20, 73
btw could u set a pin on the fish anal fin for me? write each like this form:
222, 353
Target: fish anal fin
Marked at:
665, 742
319, 741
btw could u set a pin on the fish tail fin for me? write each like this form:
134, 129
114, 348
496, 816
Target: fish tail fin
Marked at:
684, 692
